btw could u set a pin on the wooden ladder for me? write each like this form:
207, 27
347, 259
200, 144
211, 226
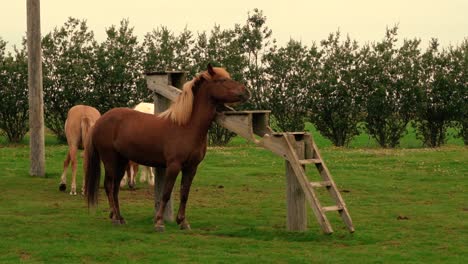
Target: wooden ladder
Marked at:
284, 144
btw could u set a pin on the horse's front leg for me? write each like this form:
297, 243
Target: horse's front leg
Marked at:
172, 171
187, 177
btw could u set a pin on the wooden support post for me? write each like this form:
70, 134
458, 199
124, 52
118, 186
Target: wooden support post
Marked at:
161, 103
36, 105
295, 197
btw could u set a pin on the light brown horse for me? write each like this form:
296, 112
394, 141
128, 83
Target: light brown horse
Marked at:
80, 119
175, 140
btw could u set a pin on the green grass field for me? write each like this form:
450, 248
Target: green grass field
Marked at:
409, 205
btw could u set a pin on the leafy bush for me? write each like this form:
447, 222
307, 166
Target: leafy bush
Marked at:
336, 86
117, 70
289, 73
391, 76
336, 100
438, 106
459, 65
67, 59
14, 104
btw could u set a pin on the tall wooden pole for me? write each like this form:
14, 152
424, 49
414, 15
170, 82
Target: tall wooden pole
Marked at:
36, 105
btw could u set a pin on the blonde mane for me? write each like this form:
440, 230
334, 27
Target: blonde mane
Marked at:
180, 111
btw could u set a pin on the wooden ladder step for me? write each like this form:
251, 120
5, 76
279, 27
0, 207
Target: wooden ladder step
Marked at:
332, 208
310, 161
321, 184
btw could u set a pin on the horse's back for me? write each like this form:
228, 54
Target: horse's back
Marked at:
80, 119
78, 112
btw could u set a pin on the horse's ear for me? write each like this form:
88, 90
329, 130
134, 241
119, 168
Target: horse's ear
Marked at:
210, 70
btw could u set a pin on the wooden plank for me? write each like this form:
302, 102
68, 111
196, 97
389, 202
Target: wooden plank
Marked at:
239, 124
296, 219
276, 145
332, 208
310, 161
246, 112
168, 91
320, 184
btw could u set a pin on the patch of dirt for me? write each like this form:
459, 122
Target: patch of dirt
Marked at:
402, 217
25, 255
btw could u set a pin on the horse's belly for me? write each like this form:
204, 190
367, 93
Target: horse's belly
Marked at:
145, 157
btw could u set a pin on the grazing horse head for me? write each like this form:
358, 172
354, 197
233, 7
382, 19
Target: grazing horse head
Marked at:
173, 141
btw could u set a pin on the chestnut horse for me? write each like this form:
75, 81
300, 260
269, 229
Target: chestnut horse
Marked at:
80, 119
131, 171
175, 140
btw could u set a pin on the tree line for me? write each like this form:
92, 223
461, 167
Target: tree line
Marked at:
337, 85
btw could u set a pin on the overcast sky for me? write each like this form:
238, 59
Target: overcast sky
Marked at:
308, 21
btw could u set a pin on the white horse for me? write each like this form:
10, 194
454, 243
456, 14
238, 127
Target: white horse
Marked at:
146, 174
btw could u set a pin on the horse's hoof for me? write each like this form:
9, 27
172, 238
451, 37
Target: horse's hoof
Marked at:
62, 187
185, 226
159, 228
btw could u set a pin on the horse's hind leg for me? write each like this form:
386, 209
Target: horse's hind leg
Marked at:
150, 172
63, 178
74, 159
187, 177
114, 171
133, 173
126, 176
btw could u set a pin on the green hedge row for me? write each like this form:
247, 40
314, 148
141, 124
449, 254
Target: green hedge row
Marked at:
336, 84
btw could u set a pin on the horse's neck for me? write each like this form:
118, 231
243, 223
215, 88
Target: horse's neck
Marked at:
203, 114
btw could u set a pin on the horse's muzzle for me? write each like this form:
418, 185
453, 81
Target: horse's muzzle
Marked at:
245, 95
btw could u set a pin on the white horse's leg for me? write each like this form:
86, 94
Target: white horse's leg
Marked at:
149, 175
133, 172
124, 180
151, 180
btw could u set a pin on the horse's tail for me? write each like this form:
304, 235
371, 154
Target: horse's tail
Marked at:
85, 127
92, 171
